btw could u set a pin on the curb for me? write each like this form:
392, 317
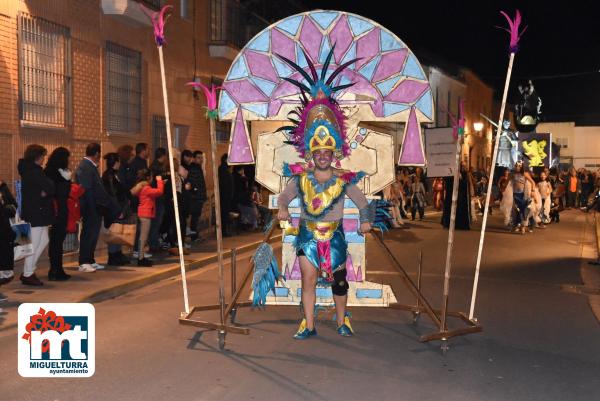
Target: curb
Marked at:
137, 283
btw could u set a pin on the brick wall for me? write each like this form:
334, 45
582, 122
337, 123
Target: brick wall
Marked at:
90, 29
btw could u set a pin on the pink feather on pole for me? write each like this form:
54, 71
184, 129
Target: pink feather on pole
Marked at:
211, 96
158, 22
513, 29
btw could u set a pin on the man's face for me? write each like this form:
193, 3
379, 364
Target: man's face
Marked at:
323, 158
199, 159
144, 154
187, 159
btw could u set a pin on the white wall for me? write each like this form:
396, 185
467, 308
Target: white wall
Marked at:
582, 143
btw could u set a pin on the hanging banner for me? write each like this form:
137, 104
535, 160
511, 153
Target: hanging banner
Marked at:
440, 150
535, 149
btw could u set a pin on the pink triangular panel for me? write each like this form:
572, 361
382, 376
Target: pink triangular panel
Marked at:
390, 63
283, 45
311, 39
359, 276
350, 275
412, 152
367, 47
407, 92
286, 273
342, 37
240, 150
260, 66
296, 275
243, 91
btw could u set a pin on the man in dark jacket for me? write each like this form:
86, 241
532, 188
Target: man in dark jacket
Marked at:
94, 203
37, 192
196, 194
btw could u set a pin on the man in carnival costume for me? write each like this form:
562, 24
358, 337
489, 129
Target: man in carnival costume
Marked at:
319, 136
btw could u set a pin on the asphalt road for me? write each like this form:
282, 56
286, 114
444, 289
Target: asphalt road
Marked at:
540, 340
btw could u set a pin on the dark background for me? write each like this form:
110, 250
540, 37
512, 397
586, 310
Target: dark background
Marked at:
560, 51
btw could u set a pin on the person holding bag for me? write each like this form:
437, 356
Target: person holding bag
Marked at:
146, 209
119, 194
57, 169
8, 210
37, 207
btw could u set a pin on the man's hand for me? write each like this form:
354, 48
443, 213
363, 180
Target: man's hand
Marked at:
283, 215
365, 227
188, 186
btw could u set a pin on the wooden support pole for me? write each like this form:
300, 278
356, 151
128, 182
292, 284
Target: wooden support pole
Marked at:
410, 284
173, 182
448, 268
490, 184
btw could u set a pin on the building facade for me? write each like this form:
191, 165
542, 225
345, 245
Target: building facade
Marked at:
79, 71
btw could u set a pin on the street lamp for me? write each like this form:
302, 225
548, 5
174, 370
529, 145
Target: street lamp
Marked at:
478, 126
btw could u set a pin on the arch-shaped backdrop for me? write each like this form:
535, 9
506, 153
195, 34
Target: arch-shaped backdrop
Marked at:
390, 84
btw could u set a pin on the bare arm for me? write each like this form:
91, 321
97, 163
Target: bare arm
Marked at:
360, 200
285, 197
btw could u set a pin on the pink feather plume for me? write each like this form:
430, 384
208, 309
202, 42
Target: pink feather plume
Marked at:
210, 94
513, 29
158, 22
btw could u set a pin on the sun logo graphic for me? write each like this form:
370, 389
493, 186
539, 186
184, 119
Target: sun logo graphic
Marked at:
56, 340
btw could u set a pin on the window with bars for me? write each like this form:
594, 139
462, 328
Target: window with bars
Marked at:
44, 72
123, 89
159, 133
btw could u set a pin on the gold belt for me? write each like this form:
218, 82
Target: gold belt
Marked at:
322, 230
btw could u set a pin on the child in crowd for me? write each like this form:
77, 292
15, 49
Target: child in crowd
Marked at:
8, 210
146, 209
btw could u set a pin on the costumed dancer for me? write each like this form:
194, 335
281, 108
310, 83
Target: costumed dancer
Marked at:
319, 137
545, 189
516, 197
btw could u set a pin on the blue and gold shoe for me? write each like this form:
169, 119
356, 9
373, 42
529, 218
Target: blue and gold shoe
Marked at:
303, 332
345, 330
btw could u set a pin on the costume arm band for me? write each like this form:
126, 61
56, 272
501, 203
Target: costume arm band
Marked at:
366, 215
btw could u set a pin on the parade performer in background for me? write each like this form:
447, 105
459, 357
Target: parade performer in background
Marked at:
319, 137
516, 198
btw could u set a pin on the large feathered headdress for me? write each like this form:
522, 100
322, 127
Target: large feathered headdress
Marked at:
319, 122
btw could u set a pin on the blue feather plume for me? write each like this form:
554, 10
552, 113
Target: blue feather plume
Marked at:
266, 273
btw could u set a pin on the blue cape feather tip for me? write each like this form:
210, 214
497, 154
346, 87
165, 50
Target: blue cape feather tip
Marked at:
266, 274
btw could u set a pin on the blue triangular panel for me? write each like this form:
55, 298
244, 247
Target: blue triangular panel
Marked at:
368, 69
265, 86
325, 48
291, 24
324, 18
261, 42
412, 68
350, 54
425, 104
260, 109
226, 104
300, 59
239, 69
389, 42
385, 87
393, 108
282, 69
343, 81
359, 25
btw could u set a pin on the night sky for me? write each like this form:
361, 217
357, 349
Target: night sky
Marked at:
560, 50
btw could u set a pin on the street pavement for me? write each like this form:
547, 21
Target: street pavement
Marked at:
541, 340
